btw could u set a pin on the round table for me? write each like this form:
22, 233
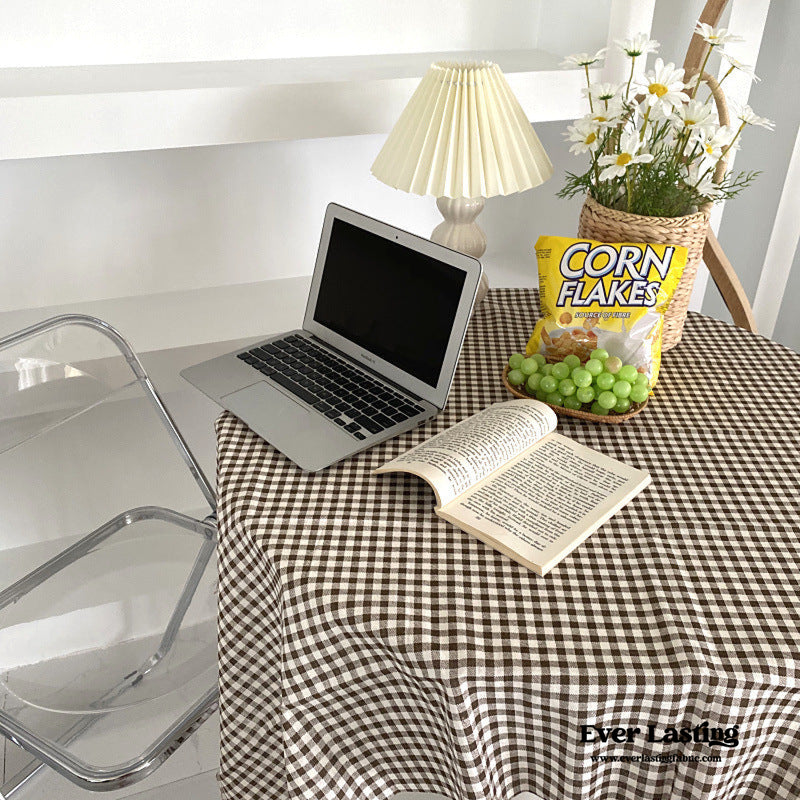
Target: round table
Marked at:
368, 647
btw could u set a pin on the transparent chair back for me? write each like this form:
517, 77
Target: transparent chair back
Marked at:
107, 627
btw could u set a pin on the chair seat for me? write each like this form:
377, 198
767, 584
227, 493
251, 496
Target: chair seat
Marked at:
127, 651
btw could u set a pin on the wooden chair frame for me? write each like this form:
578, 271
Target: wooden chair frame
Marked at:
719, 266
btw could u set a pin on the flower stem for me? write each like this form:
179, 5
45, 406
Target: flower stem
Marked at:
644, 123
630, 77
691, 157
730, 144
700, 179
629, 188
726, 75
594, 165
702, 70
588, 87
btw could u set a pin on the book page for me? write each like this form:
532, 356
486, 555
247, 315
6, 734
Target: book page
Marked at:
465, 454
548, 500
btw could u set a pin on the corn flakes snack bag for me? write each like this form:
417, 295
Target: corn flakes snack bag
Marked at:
612, 296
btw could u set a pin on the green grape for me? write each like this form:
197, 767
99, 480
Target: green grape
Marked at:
642, 379
516, 377
621, 388
555, 399
566, 387
613, 364
539, 359
599, 353
573, 403
534, 381
585, 394
622, 405
541, 394
598, 409
581, 377
561, 371
515, 360
548, 383
546, 369
529, 366
639, 393
604, 381
607, 400
572, 361
628, 373
594, 366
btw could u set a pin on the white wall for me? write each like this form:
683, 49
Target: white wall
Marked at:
82, 228
74, 32
88, 227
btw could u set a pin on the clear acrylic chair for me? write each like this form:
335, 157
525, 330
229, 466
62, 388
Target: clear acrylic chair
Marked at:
107, 546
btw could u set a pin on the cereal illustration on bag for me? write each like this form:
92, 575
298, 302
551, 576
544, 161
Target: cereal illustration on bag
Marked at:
611, 296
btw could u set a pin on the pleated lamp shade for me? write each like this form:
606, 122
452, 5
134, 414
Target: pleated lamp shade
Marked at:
463, 134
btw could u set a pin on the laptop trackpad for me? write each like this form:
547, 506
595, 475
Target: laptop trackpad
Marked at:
299, 433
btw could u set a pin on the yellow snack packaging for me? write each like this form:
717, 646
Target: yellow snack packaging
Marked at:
613, 296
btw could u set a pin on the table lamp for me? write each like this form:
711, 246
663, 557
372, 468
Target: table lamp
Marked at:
463, 137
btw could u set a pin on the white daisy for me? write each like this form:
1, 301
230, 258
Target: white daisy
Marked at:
602, 91
701, 178
638, 45
706, 187
749, 117
585, 135
716, 36
583, 59
663, 87
616, 164
605, 117
696, 116
692, 82
746, 68
713, 142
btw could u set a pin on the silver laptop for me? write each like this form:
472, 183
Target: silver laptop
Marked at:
383, 328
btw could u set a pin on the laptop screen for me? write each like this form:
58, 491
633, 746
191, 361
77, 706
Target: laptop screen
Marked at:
392, 301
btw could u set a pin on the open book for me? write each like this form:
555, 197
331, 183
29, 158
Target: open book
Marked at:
504, 476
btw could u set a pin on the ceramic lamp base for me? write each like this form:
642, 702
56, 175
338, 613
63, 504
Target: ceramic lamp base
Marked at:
459, 231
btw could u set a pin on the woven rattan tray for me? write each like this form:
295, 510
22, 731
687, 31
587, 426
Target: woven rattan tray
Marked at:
612, 418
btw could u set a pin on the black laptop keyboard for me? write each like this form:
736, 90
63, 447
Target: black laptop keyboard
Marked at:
336, 388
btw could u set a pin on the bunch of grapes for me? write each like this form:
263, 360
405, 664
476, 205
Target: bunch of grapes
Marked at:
602, 385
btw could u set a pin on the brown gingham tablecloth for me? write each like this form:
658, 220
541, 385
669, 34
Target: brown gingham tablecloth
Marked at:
368, 647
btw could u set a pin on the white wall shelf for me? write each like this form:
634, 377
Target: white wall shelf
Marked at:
196, 317
51, 111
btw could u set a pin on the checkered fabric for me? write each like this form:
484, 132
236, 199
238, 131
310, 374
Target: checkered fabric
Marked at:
368, 647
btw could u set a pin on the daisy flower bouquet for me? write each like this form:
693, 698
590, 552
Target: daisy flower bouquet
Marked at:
657, 146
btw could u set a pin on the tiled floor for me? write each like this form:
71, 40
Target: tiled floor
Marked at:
199, 787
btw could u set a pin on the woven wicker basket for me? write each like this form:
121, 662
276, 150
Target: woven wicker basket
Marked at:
609, 225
